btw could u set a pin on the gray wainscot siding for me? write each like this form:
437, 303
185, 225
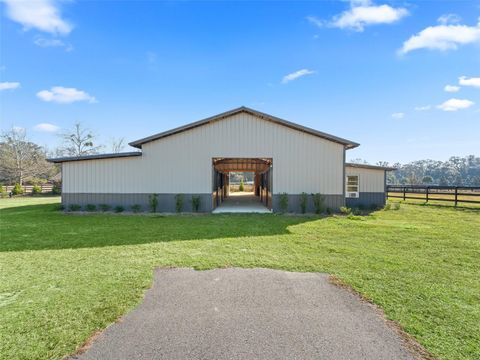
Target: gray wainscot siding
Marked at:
371, 184
333, 202
166, 202
367, 199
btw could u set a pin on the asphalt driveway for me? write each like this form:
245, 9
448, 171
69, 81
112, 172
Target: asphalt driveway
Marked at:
248, 314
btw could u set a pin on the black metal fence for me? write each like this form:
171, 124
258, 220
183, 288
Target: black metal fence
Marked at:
455, 194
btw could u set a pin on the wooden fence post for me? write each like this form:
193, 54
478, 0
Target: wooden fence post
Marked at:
404, 190
456, 195
427, 194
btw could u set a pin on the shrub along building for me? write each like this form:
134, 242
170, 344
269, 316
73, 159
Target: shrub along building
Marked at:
194, 160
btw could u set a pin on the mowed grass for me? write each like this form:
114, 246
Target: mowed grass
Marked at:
63, 277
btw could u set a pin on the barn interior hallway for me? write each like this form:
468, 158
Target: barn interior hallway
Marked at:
256, 196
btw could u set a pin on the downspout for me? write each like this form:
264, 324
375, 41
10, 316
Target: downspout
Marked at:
344, 174
62, 198
385, 195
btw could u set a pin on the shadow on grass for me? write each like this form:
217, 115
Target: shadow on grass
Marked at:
40, 227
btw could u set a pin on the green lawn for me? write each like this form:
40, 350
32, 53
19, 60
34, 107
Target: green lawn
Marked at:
62, 277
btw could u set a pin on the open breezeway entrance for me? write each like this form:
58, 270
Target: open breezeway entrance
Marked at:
226, 197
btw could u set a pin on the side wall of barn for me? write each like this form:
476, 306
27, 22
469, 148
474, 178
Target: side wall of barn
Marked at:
371, 184
182, 164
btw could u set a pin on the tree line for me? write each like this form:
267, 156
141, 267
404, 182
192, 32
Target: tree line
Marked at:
24, 162
456, 171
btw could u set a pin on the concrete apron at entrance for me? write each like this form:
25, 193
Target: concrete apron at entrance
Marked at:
241, 202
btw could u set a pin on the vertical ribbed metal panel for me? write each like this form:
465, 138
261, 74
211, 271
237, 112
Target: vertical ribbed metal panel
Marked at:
181, 163
370, 180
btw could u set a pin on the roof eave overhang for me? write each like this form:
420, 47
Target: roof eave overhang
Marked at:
351, 146
371, 167
93, 157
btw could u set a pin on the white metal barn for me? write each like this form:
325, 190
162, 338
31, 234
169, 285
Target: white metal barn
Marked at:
194, 160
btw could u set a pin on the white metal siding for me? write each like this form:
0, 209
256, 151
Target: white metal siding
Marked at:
370, 180
121, 175
182, 163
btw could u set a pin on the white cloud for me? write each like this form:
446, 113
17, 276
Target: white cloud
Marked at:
46, 127
455, 104
42, 15
423, 108
362, 14
398, 115
297, 74
464, 81
316, 21
44, 42
9, 85
451, 88
449, 19
442, 37
64, 95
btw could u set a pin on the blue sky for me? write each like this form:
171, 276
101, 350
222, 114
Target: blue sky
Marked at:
371, 72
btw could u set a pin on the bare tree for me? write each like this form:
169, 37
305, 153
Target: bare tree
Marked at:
79, 141
22, 160
359, 161
117, 145
383, 163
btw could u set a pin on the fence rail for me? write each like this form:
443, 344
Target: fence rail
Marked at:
27, 189
456, 194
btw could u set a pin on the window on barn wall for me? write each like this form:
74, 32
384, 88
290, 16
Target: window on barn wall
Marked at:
352, 190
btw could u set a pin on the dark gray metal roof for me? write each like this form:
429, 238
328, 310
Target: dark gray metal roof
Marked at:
373, 167
348, 144
94, 157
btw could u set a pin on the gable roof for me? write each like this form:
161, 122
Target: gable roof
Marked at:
347, 143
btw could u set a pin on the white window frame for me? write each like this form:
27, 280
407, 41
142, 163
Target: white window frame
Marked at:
350, 187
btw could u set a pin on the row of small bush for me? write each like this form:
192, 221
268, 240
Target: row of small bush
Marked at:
36, 189
317, 199
18, 190
102, 207
136, 208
